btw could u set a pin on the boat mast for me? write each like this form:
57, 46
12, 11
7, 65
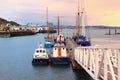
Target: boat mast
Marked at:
78, 22
58, 25
47, 21
83, 17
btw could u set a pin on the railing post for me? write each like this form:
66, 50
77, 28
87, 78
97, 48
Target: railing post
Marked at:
94, 59
96, 64
105, 64
83, 56
87, 58
110, 64
119, 64
80, 52
101, 61
90, 61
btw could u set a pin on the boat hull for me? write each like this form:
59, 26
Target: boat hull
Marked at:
49, 39
60, 60
85, 43
48, 45
40, 61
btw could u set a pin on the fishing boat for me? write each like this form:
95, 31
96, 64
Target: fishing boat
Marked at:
40, 56
48, 40
59, 53
48, 44
60, 38
81, 39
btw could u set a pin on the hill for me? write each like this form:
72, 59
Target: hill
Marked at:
4, 22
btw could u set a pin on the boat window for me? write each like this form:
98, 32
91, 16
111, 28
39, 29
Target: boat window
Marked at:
55, 48
40, 50
43, 51
63, 48
37, 51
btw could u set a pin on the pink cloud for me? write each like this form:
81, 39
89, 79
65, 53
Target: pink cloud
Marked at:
98, 11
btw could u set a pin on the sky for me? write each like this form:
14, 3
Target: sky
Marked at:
98, 12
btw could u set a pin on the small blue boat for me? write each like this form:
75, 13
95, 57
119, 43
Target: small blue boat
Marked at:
82, 41
48, 40
48, 44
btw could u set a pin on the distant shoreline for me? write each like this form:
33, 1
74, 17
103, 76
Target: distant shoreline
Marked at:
95, 27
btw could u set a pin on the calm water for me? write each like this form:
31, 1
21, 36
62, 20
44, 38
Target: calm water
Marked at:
16, 56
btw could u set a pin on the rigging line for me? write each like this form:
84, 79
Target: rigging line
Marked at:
86, 24
82, 18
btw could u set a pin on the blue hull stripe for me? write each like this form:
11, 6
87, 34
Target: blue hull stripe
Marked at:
40, 61
60, 60
48, 45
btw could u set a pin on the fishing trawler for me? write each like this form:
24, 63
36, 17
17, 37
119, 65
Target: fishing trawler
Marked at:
59, 53
60, 38
40, 56
48, 40
81, 39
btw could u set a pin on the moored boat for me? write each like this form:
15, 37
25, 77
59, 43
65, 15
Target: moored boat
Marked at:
60, 39
48, 44
48, 40
59, 54
81, 39
40, 56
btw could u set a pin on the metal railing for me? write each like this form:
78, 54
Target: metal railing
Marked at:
99, 62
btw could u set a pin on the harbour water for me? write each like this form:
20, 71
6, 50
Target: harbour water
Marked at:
16, 57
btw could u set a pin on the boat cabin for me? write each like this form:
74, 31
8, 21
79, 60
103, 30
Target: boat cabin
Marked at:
60, 37
59, 50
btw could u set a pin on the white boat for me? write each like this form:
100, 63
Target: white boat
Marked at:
60, 38
40, 56
59, 54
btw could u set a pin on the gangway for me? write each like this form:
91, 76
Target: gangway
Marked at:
100, 62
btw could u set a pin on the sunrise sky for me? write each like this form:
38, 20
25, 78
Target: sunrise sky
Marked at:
99, 12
